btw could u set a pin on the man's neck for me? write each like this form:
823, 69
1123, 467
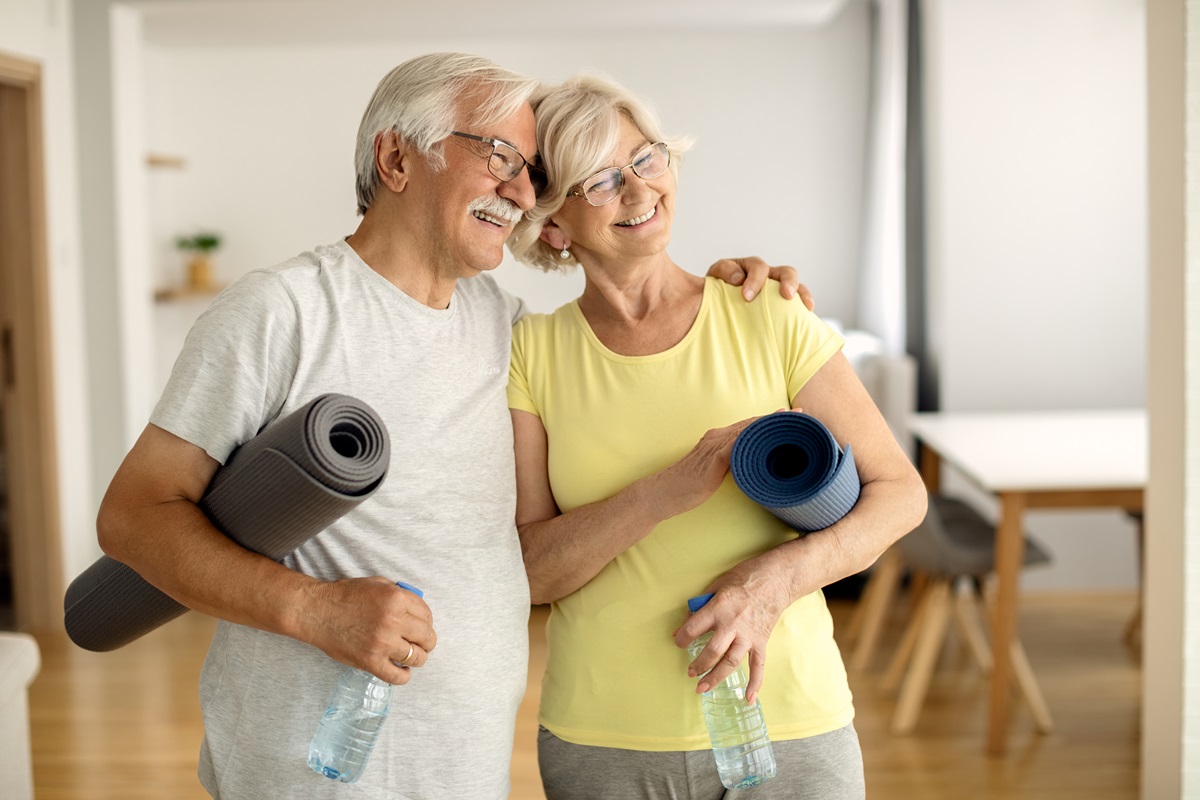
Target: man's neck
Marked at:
387, 250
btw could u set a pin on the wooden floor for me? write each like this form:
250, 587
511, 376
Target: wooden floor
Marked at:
126, 726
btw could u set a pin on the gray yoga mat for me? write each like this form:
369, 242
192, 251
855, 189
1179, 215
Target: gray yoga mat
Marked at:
273, 494
790, 464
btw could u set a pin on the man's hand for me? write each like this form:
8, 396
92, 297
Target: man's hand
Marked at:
372, 624
751, 273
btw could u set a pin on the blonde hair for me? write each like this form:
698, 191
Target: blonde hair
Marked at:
420, 101
578, 127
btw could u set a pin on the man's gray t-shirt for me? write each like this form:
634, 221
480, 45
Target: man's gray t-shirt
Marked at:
443, 520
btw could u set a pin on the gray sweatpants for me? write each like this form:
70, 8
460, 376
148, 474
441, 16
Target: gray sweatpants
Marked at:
825, 767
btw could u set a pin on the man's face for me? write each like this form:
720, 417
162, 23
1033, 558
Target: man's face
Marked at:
469, 212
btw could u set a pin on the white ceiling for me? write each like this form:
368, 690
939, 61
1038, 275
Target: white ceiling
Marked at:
184, 23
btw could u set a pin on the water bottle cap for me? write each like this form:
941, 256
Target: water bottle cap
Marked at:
698, 602
410, 588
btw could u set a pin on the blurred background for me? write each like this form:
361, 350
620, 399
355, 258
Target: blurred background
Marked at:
965, 179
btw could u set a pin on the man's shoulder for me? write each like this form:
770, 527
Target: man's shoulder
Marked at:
310, 264
302, 272
482, 285
484, 293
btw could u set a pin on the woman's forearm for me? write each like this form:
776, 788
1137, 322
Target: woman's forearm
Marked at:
564, 552
886, 510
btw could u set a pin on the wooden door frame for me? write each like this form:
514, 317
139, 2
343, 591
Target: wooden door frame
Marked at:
34, 523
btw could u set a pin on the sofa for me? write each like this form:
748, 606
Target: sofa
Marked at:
891, 380
20, 661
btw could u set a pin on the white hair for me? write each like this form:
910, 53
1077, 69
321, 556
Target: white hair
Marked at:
578, 127
420, 101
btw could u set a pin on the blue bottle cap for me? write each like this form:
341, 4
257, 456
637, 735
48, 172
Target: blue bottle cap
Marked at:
698, 602
410, 588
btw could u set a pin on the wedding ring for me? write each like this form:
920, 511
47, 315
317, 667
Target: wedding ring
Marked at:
404, 661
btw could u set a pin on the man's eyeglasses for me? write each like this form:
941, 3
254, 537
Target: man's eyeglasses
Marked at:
605, 185
506, 162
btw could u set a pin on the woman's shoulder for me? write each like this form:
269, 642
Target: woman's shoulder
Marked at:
541, 320
768, 303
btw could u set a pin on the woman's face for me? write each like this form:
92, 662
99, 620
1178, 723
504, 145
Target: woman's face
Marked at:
636, 224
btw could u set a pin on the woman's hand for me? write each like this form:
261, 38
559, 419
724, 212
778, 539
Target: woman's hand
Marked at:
746, 605
692, 479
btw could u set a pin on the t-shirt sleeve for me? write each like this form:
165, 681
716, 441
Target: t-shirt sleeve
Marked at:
520, 395
235, 369
516, 306
805, 342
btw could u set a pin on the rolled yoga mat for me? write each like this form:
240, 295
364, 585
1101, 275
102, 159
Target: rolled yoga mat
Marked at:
273, 494
790, 464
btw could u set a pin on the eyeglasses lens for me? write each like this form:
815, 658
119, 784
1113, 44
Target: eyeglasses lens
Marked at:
506, 164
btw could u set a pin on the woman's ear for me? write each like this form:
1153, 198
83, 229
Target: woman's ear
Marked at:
392, 160
554, 236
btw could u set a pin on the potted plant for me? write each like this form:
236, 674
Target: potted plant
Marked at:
201, 245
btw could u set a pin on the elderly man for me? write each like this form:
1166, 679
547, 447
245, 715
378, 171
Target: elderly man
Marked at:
398, 315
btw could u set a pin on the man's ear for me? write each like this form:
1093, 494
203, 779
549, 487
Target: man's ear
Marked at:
554, 236
392, 160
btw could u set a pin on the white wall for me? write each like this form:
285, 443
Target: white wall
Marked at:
1037, 228
778, 116
40, 31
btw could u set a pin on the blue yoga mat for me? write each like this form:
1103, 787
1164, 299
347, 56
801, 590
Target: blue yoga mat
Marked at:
790, 464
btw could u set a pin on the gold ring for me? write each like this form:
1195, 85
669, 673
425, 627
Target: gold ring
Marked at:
404, 661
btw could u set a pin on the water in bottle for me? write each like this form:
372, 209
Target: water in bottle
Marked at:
348, 730
737, 729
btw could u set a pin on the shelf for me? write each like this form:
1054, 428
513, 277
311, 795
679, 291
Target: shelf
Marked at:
174, 294
165, 161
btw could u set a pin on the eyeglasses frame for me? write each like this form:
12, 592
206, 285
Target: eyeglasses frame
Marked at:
578, 191
525, 163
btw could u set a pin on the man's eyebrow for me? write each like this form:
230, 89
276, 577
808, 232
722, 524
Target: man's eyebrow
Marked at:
514, 147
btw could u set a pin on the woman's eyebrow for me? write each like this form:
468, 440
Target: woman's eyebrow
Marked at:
639, 148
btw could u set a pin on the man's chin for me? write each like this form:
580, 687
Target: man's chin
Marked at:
482, 266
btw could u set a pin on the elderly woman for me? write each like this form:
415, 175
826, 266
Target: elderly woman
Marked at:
625, 406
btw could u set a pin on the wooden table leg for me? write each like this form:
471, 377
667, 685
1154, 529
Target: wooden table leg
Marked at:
1010, 546
876, 602
931, 469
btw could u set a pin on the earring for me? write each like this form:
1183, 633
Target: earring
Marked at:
565, 254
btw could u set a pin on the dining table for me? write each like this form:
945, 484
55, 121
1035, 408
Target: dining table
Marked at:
1030, 460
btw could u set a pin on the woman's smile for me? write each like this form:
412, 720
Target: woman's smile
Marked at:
630, 223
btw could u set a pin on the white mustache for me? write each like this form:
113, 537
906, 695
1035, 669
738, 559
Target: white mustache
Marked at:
496, 207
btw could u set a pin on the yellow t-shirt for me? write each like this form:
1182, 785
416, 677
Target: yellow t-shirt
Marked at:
614, 677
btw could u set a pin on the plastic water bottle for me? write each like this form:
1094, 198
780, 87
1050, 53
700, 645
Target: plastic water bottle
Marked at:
737, 729
350, 726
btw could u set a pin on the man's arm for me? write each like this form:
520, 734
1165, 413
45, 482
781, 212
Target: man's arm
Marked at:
751, 273
150, 520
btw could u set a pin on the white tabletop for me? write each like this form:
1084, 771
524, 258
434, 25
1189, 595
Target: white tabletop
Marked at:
1041, 450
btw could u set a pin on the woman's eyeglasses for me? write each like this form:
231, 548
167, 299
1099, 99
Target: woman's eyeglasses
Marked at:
605, 185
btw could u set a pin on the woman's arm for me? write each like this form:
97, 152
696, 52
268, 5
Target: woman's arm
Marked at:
564, 551
751, 596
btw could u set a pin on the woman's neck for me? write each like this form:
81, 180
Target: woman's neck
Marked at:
641, 309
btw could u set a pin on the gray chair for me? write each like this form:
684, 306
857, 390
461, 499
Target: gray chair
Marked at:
954, 550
